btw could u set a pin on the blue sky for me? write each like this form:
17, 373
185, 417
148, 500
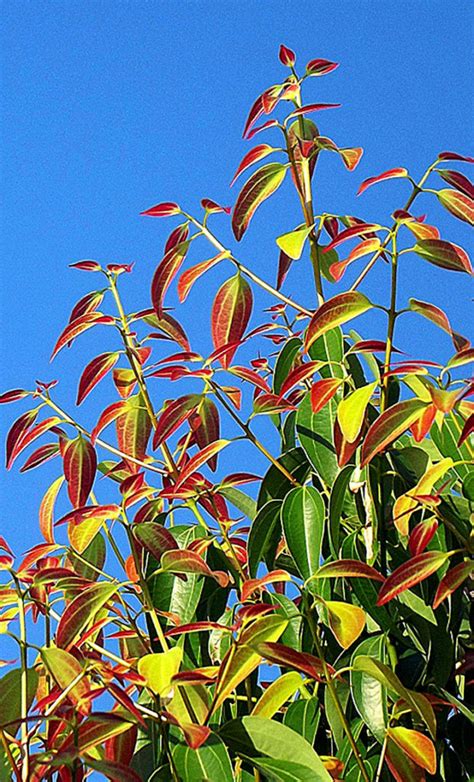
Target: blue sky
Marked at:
110, 107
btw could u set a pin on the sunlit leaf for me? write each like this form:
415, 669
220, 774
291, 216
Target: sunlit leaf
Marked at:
444, 254
451, 581
417, 746
303, 516
410, 573
335, 312
159, 668
389, 426
256, 190
81, 611
392, 173
231, 312
459, 204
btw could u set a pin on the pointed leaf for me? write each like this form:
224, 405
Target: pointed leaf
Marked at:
389, 426
257, 189
189, 277
165, 209
277, 694
80, 466
348, 568
78, 326
81, 611
457, 180
94, 372
335, 312
303, 515
322, 391
47, 508
282, 655
106, 417
451, 581
158, 669
231, 312
174, 414
165, 273
185, 561
133, 427
292, 243
310, 108
444, 254
417, 746
155, 538
410, 573
351, 411
408, 502
392, 173
257, 153
319, 67
460, 205
65, 669
346, 621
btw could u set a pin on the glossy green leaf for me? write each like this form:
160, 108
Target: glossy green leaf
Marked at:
10, 697
303, 716
369, 694
316, 436
210, 761
264, 536
277, 694
303, 519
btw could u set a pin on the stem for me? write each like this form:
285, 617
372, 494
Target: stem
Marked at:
248, 272
25, 767
333, 693
382, 758
9, 755
250, 436
392, 317
416, 190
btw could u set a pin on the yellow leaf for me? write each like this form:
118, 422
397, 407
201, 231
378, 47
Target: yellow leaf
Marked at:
276, 694
406, 503
158, 669
292, 243
351, 411
346, 621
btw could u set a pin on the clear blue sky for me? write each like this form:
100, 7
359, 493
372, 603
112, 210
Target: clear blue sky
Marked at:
110, 107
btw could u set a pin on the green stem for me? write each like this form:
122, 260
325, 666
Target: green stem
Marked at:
333, 692
25, 766
392, 317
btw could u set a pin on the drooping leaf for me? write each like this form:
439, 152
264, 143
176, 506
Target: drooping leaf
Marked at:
260, 186
65, 669
279, 654
46, 510
351, 411
165, 273
303, 518
345, 620
459, 204
457, 180
80, 466
406, 503
410, 573
389, 426
181, 561
189, 277
417, 746
392, 173
81, 611
451, 581
348, 568
369, 694
155, 538
231, 312
335, 312
264, 536
199, 459
94, 372
444, 254
277, 694
78, 327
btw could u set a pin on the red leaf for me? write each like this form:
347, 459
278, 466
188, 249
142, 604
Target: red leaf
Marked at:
262, 105
165, 209
174, 414
257, 153
29, 436
284, 264
252, 377
468, 429
250, 586
457, 180
106, 417
421, 535
422, 426
446, 255
213, 208
460, 205
80, 466
266, 404
451, 581
12, 396
177, 236
189, 277
299, 375
165, 272
78, 326
334, 312
322, 391
287, 56
17, 432
351, 156
455, 156
184, 561
81, 611
42, 454
439, 318
349, 233
392, 173
205, 425
199, 459
348, 568
389, 426
314, 107
88, 303
290, 658
411, 573
231, 312
260, 186
319, 67
86, 266
370, 346
271, 123
133, 428
94, 372
155, 538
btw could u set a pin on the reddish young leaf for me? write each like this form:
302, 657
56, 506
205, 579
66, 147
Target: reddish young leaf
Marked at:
165, 273
314, 107
389, 426
262, 105
266, 404
185, 561
189, 277
457, 180
444, 254
205, 424
17, 432
106, 417
174, 414
455, 156
271, 123
165, 209
438, 317
168, 325
460, 205
78, 326
86, 266
451, 581
12, 396
199, 459
360, 229
421, 536
411, 573
371, 346
195, 627
231, 312
257, 153
348, 568
279, 654
42, 454
323, 391
177, 236
335, 312
94, 372
81, 611
366, 247
250, 586
213, 207
287, 56
257, 189
133, 427
124, 381
284, 265
416, 745
80, 466
319, 67
79, 515
46, 510
88, 303
351, 156
31, 435
467, 430
155, 538
299, 375
392, 173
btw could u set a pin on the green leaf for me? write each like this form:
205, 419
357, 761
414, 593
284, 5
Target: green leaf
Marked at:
242, 501
329, 348
275, 484
285, 770
303, 515
292, 243
210, 761
336, 505
303, 717
316, 437
285, 362
257, 736
10, 697
264, 536
368, 694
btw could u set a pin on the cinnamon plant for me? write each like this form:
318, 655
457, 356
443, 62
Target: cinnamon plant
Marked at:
307, 623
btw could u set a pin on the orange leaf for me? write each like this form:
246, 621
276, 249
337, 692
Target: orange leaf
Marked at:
410, 573
417, 746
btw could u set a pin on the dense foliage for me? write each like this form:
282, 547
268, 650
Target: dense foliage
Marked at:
311, 624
